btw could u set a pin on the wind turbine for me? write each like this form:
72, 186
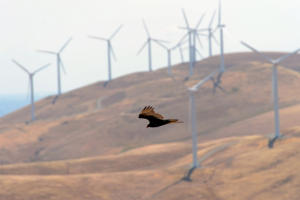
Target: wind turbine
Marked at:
221, 27
148, 42
275, 63
192, 90
31, 75
59, 63
192, 34
169, 55
210, 34
110, 50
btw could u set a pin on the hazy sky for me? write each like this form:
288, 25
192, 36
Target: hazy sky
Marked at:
29, 25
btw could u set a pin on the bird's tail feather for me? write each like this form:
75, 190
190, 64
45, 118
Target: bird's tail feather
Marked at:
175, 121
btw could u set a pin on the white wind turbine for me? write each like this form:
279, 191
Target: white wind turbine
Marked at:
275, 63
192, 91
110, 50
192, 34
210, 34
31, 75
169, 55
149, 43
59, 64
221, 27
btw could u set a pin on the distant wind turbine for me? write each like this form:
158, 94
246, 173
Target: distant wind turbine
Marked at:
149, 43
192, 34
31, 75
275, 63
210, 34
221, 27
110, 50
169, 55
59, 63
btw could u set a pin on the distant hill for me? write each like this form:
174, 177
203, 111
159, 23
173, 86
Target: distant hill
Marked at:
97, 120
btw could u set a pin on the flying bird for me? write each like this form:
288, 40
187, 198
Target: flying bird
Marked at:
154, 118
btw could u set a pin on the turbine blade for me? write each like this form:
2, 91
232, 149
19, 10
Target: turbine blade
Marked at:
116, 31
41, 68
185, 18
215, 39
146, 28
220, 74
256, 51
160, 44
212, 19
62, 66
45, 51
199, 40
217, 83
182, 39
65, 45
200, 20
198, 52
97, 38
141, 49
21, 66
181, 53
217, 27
214, 84
196, 86
286, 56
112, 52
220, 7
161, 41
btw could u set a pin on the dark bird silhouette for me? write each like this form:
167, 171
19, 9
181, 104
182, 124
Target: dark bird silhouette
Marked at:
154, 118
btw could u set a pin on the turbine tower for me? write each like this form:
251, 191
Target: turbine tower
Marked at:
192, 34
59, 63
275, 63
149, 43
192, 91
221, 27
210, 34
110, 50
31, 75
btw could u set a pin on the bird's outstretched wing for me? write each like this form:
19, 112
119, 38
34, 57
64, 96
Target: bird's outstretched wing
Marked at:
148, 113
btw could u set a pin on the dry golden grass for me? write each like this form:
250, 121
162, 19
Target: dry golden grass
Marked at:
245, 169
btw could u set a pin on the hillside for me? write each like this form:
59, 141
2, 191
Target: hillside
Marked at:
233, 168
91, 145
97, 120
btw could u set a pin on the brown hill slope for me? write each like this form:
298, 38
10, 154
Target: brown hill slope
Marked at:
237, 168
97, 120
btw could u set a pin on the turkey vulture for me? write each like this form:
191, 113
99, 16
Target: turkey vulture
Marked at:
154, 118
